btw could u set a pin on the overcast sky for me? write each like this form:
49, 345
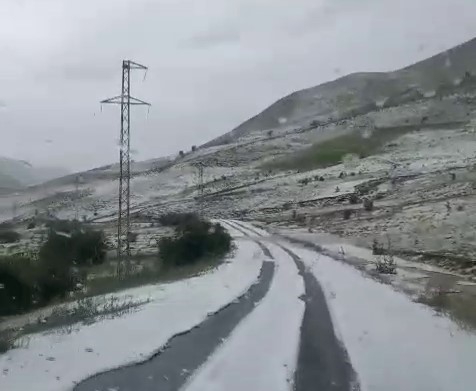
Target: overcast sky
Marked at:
213, 64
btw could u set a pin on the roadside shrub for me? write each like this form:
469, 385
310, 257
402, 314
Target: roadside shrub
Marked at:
354, 199
7, 341
64, 252
385, 264
9, 236
368, 204
347, 214
133, 237
18, 284
80, 248
26, 282
301, 219
192, 242
377, 248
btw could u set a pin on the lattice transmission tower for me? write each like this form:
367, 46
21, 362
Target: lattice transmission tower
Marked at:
123, 219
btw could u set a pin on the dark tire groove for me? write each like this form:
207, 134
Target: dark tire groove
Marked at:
249, 229
323, 362
242, 230
173, 364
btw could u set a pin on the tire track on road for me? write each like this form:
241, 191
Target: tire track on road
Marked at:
241, 229
173, 364
247, 228
323, 362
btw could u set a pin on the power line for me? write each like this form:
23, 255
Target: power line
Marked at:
123, 220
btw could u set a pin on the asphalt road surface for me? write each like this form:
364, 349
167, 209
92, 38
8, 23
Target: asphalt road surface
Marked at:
322, 364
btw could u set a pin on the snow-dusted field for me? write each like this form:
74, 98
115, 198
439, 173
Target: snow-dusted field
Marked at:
58, 360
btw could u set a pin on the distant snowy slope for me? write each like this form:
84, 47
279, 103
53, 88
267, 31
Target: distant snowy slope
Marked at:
360, 93
20, 173
7, 182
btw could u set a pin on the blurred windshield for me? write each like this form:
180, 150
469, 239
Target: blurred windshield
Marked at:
237, 195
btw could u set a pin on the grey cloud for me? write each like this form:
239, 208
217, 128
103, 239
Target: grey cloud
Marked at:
221, 36
85, 72
250, 53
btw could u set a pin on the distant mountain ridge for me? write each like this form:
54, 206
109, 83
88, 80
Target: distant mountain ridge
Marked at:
359, 93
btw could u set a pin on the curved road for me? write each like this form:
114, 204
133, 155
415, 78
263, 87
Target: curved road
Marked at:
322, 362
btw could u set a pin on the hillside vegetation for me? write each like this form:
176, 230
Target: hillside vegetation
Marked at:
331, 152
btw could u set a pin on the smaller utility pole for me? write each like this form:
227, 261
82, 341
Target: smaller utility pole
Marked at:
201, 187
77, 181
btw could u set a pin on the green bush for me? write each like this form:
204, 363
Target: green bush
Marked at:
26, 283
81, 247
354, 199
9, 236
347, 214
19, 288
368, 204
63, 252
194, 241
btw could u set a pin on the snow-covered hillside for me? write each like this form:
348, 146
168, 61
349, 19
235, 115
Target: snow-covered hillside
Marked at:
362, 93
414, 164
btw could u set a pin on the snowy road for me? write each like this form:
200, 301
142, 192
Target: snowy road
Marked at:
277, 317
250, 345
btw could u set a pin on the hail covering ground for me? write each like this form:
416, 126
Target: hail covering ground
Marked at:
261, 353
392, 342
58, 360
425, 203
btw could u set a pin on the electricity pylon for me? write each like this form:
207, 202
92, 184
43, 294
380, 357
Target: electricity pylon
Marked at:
123, 219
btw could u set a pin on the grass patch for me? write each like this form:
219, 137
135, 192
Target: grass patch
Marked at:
111, 283
331, 152
85, 311
7, 340
154, 273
